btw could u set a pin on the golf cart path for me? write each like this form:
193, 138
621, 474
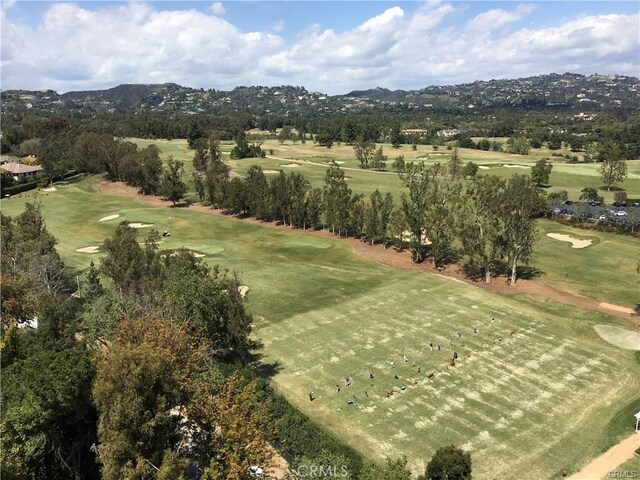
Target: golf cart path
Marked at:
402, 259
609, 460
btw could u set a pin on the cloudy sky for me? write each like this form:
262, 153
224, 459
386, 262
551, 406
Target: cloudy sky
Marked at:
332, 47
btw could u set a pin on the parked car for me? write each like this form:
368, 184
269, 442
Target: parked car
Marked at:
620, 213
602, 217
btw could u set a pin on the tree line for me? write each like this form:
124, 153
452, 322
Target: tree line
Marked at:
551, 128
442, 215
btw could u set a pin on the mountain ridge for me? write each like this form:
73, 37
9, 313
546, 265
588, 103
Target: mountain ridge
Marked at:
568, 89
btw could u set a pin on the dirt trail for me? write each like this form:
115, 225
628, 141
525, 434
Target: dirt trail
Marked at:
393, 258
609, 460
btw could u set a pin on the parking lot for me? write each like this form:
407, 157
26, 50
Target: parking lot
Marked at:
597, 212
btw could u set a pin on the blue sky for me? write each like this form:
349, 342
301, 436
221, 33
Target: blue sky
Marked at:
328, 46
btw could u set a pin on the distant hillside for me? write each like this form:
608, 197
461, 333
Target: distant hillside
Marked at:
544, 91
380, 94
126, 96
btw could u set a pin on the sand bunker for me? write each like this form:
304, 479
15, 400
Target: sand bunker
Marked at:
140, 225
271, 171
515, 166
290, 165
575, 243
243, 289
176, 253
109, 217
50, 189
620, 337
90, 249
407, 236
483, 167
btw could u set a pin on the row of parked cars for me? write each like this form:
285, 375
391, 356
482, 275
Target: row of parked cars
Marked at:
597, 211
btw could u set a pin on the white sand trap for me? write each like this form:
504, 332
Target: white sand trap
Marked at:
109, 217
575, 243
407, 236
620, 337
271, 171
50, 189
140, 225
483, 167
290, 165
195, 254
243, 289
90, 249
515, 166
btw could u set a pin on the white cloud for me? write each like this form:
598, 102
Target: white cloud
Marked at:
78, 48
218, 9
7, 4
278, 26
496, 18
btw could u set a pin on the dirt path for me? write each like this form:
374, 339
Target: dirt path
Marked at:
394, 258
608, 461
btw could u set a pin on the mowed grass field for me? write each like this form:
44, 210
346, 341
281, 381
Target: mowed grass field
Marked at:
605, 270
313, 161
549, 397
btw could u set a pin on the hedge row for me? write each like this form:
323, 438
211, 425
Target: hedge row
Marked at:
20, 187
24, 187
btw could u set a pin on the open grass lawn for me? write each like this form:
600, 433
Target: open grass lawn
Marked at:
605, 270
528, 406
315, 159
550, 397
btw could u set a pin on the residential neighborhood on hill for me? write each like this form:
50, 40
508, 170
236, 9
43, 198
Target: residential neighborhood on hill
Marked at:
571, 90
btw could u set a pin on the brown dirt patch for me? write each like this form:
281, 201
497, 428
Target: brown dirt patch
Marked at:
617, 308
394, 258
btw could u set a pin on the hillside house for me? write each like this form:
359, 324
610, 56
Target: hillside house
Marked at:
448, 133
22, 173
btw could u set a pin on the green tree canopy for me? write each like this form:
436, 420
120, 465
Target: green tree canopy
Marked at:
171, 185
449, 463
541, 171
48, 420
614, 166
